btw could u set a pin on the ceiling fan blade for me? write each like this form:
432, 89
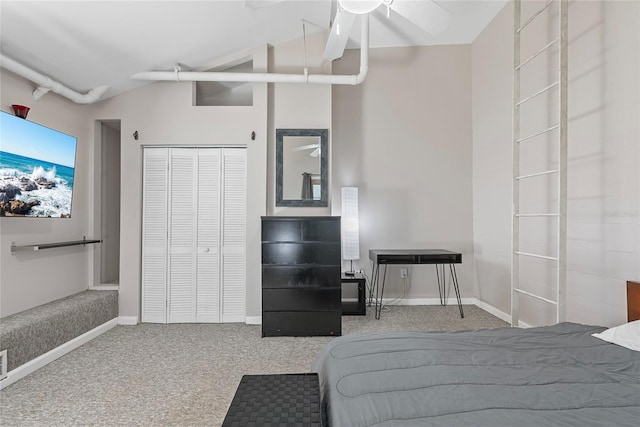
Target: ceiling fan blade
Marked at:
339, 35
426, 14
305, 147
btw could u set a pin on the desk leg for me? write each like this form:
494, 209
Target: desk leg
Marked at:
454, 276
442, 282
374, 281
380, 293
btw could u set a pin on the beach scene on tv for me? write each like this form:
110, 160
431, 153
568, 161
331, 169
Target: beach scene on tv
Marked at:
36, 169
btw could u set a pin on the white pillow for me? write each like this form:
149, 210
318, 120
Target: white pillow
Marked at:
627, 335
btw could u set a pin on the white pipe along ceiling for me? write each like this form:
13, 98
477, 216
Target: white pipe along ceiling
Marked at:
46, 84
213, 76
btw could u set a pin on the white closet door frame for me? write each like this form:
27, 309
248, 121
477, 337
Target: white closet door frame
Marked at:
161, 260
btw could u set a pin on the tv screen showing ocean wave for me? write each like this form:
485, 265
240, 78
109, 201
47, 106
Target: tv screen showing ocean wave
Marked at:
37, 167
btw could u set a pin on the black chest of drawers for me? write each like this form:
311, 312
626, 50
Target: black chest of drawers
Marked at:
301, 288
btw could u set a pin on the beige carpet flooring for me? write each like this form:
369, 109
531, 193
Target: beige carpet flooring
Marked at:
185, 374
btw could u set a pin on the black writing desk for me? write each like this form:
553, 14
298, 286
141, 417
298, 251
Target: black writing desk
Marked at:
439, 257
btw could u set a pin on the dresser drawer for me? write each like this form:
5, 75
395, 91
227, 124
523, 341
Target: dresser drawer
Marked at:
298, 253
325, 230
281, 231
302, 299
301, 323
322, 229
285, 276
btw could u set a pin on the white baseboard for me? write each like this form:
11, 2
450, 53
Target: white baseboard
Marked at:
257, 320
452, 301
499, 313
128, 320
3, 364
253, 320
132, 320
40, 361
104, 287
492, 310
425, 301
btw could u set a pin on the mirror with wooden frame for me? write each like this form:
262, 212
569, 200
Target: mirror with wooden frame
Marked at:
302, 157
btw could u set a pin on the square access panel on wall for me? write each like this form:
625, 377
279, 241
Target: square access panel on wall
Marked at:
226, 93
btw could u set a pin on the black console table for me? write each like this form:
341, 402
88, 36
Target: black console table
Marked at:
439, 257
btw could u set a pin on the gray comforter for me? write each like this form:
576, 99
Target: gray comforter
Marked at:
552, 376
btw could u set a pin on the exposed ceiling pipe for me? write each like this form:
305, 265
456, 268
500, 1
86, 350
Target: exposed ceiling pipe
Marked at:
214, 76
46, 84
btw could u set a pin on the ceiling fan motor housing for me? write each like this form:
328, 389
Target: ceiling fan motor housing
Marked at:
360, 7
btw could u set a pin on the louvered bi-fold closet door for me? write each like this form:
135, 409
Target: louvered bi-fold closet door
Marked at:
208, 236
234, 189
194, 222
154, 236
183, 199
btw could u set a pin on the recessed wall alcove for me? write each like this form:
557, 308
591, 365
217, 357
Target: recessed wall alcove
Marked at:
226, 93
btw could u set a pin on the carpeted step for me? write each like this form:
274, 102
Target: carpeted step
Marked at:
31, 333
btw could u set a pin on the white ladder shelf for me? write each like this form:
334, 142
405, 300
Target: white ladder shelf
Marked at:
562, 85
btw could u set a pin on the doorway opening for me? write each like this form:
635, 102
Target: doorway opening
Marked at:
106, 271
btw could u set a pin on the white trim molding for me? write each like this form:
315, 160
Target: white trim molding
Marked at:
3, 364
253, 320
496, 312
42, 360
452, 301
257, 320
128, 320
104, 287
492, 310
425, 301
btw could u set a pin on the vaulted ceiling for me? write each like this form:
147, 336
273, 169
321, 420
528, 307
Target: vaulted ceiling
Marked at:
85, 44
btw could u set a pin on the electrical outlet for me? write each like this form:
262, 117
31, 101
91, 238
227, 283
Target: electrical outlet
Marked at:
404, 273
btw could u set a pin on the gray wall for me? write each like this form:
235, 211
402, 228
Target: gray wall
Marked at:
297, 106
403, 137
604, 152
163, 114
110, 205
492, 77
29, 279
426, 138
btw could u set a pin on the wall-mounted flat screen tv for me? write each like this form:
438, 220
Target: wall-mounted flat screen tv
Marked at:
37, 166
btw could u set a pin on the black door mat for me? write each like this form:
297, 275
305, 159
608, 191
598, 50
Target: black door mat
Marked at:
276, 400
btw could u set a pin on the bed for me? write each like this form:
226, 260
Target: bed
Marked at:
555, 375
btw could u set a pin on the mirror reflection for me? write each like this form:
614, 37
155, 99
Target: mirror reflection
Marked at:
301, 167
301, 171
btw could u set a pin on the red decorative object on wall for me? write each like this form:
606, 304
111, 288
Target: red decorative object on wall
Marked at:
20, 110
